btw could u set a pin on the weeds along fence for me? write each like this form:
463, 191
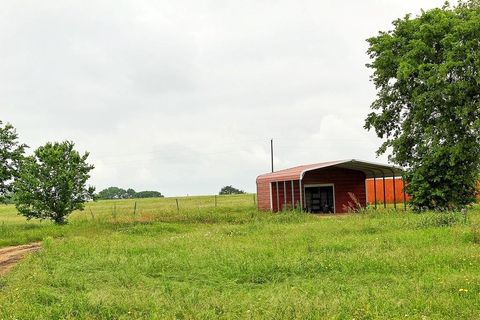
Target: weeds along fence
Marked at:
121, 207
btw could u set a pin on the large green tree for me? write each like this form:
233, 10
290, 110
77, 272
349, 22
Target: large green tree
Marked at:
426, 71
11, 153
52, 182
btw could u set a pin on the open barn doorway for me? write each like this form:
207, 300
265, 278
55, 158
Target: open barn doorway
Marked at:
320, 198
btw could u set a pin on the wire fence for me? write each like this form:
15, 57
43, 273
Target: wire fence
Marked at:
119, 207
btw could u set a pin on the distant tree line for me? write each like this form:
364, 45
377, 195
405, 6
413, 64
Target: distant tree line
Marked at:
230, 190
119, 193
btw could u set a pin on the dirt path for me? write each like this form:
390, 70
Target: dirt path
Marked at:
9, 256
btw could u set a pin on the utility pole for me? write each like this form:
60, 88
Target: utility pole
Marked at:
271, 152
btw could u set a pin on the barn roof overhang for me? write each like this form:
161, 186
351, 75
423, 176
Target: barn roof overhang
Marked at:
370, 169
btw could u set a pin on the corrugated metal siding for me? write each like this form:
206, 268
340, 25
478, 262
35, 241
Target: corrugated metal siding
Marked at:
295, 172
296, 192
281, 197
388, 190
263, 195
344, 181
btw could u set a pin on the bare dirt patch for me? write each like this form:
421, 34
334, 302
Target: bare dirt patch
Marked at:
9, 256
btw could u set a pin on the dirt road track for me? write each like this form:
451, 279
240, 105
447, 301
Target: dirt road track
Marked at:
9, 256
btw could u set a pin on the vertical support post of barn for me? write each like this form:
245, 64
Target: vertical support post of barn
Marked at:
301, 194
284, 194
404, 195
270, 185
293, 196
375, 190
278, 197
394, 192
384, 193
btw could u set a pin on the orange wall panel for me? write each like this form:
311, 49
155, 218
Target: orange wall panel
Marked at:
388, 190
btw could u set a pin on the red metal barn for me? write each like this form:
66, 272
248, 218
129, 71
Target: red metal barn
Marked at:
322, 187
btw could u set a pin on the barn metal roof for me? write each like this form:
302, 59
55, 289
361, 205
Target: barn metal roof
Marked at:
371, 170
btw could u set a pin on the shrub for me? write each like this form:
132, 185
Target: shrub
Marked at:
52, 183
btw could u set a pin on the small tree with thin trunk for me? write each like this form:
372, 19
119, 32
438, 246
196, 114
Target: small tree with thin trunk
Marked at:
52, 183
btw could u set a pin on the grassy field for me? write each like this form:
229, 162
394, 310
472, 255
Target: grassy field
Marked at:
232, 262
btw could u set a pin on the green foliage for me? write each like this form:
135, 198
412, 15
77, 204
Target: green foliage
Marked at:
426, 71
148, 194
52, 183
230, 190
119, 193
11, 154
130, 193
8, 199
113, 193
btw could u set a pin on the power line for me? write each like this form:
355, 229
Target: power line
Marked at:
189, 153
182, 147
173, 157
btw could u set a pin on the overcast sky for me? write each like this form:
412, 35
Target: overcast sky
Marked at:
183, 96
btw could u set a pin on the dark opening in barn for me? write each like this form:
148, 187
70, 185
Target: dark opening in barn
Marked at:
323, 187
319, 198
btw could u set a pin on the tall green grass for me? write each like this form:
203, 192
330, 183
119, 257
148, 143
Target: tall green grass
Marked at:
232, 262
109, 214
